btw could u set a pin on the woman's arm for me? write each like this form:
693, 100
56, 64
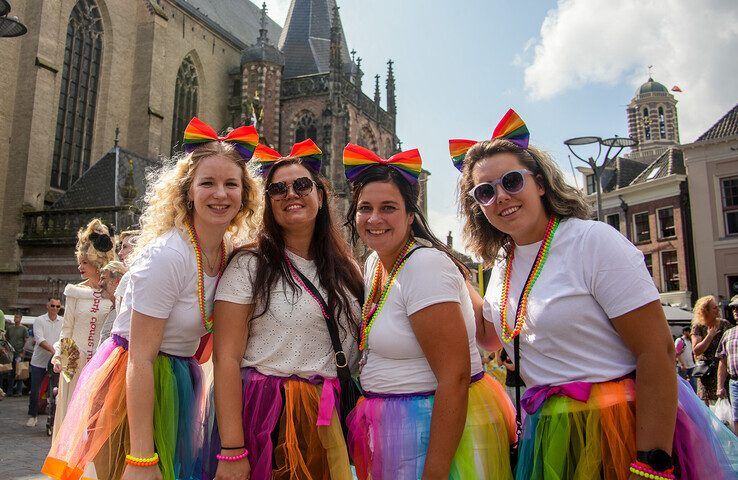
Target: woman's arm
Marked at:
486, 335
145, 339
441, 333
67, 330
656, 385
702, 344
230, 336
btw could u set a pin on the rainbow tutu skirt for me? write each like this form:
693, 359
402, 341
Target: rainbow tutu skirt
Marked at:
95, 429
567, 439
389, 434
291, 429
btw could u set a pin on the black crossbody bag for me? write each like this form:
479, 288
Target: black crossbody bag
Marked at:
350, 390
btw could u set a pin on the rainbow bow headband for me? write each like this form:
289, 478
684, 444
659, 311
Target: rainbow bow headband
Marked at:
307, 151
511, 128
244, 138
357, 159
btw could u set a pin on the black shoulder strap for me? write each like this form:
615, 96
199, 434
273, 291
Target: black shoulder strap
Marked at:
518, 413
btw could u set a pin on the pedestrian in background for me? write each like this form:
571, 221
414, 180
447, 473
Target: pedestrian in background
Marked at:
707, 330
685, 357
727, 352
110, 276
46, 331
17, 334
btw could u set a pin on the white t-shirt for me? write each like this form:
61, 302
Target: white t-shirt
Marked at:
395, 362
163, 284
291, 338
686, 356
45, 329
592, 274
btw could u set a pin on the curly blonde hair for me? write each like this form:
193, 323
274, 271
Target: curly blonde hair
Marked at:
701, 309
166, 196
85, 249
559, 198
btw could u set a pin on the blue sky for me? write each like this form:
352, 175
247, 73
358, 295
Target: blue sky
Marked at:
568, 67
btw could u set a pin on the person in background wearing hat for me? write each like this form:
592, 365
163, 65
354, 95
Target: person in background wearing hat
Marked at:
727, 352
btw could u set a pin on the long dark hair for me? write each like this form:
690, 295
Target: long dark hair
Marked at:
410, 194
337, 270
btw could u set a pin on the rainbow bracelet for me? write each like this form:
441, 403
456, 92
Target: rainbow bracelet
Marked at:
142, 462
234, 458
643, 470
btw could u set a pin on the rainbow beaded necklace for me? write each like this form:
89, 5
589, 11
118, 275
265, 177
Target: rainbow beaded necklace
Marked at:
535, 272
207, 320
370, 310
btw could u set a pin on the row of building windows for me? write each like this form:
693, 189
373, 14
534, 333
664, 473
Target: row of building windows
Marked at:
669, 269
642, 228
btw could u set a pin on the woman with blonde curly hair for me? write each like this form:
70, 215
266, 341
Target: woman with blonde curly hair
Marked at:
707, 330
576, 308
84, 311
138, 407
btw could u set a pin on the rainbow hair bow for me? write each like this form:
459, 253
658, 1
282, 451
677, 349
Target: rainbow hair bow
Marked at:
307, 151
244, 139
357, 159
511, 128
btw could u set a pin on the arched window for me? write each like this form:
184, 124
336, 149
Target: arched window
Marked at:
75, 119
367, 140
662, 123
646, 124
306, 128
185, 100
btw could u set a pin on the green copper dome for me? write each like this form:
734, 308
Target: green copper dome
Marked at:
652, 87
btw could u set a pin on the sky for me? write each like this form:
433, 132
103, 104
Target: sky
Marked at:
568, 67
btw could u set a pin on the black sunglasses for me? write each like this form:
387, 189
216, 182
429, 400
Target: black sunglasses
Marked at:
513, 182
301, 186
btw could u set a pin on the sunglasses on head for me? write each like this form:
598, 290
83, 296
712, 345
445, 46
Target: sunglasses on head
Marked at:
301, 186
512, 182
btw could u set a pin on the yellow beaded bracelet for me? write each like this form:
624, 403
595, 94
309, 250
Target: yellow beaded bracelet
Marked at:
142, 462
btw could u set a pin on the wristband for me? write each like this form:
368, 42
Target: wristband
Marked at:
233, 448
234, 458
142, 462
645, 471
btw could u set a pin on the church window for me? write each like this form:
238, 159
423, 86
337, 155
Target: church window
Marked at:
662, 123
366, 139
185, 100
75, 118
646, 124
306, 128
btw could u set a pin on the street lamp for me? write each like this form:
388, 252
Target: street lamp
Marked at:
597, 170
10, 26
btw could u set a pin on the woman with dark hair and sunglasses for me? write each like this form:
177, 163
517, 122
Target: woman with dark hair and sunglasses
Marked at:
429, 411
275, 368
574, 298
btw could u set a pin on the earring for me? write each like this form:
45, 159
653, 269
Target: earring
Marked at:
189, 204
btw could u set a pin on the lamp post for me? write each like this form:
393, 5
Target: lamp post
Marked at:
598, 169
10, 26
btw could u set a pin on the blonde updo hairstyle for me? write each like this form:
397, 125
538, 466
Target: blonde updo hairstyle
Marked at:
166, 195
559, 198
86, 250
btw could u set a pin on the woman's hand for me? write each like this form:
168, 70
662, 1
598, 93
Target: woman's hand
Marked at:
238, 470
713, 330
133, 472
56, 363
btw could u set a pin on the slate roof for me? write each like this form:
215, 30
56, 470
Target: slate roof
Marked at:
725, 127
236, 19
306, 38
624, 173
671, 162
95, 188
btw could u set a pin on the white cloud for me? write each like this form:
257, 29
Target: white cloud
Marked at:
690, 44
276, 9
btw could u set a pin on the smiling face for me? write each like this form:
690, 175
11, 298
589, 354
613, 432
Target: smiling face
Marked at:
382, 220
216, 192
295, 211
520, 215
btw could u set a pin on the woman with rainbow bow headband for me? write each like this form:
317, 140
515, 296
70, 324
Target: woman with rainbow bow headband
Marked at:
276, 388
150, 427
572, 300
429, 411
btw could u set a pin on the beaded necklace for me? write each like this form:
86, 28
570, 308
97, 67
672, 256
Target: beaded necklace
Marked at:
207, 320
370, 310
535, 272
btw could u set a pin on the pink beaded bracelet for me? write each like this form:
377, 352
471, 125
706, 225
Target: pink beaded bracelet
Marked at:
234, 458
643, 470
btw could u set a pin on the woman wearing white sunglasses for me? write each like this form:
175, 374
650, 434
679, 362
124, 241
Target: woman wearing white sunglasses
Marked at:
575, 300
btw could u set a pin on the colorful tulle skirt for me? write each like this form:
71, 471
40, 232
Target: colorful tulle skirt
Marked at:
280, 425
95, 429
389, 434
595, 439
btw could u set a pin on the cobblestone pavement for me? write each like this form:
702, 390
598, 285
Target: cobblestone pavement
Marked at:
22, 449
